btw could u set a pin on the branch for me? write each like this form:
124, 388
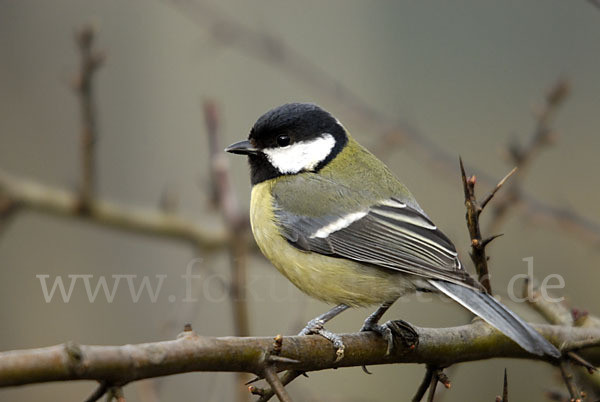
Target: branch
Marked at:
522, 156
22, 193
91, 60
595, 3
118, 365
274, 51
559, 313
98, 392
16, 193
237, 225
474, 210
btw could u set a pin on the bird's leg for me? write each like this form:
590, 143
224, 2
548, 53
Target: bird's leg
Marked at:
390, 329
316, 326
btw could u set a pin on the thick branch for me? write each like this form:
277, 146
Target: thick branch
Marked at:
24, 193
117, 365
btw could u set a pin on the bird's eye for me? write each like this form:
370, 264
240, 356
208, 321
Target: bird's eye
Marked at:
283, 140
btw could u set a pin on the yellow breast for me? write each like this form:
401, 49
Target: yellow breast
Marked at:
332, 280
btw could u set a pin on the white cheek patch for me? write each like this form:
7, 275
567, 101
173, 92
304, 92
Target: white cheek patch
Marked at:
300, 156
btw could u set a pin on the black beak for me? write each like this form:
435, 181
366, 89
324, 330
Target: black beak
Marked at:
242, 148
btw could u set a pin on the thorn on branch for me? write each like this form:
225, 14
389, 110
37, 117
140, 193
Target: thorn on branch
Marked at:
487, 241
273, 355
283, 360
495, 190
504, 397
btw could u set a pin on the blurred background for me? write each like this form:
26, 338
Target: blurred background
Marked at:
418, 82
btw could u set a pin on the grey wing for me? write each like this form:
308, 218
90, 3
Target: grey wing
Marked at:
389, 234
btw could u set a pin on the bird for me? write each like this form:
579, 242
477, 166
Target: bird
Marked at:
334, 220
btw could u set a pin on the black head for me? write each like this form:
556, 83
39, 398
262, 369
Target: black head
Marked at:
290, 139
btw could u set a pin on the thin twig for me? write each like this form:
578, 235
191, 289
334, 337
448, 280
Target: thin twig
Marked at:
116, 393
91, 60
522, 156
595, 3
237, 225
98, 392
559, 313
276, 385
424, 386
575, 358
474, 209
286, 378
570, 384
27, 194
553, 312
432, 387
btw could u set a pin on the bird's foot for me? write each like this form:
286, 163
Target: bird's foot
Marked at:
396, 329
316, 326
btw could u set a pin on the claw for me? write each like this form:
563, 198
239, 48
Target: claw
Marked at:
394, 329
384, 331
312, 327
316, 327
403, 330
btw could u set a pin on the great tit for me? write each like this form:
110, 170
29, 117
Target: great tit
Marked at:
337, 223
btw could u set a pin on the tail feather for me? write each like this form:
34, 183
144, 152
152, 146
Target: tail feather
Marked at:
498, 316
